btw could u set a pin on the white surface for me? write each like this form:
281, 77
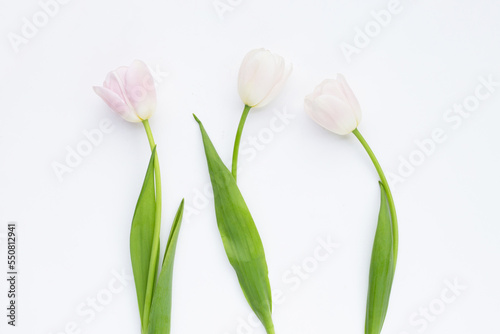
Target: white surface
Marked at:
304, 184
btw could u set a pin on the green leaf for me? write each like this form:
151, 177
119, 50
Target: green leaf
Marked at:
239, 235
160, 316
142, 234
382, 268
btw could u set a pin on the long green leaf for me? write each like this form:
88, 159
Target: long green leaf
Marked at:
141, 234
382, 268
161, 308
239, 235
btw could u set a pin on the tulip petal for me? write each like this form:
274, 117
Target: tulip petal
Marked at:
349, 94
115, 81
115, 102
259, 83
248, 66
331, 113
140, 89
330, 87
247, 72
278, 85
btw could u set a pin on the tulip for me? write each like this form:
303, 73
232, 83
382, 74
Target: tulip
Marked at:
130, 92
261, 77
334, 106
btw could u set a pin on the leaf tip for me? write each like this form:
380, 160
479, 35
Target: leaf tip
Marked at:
197, 119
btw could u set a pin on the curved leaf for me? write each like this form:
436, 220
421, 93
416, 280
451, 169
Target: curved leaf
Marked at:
382, 268
239, 235
161, 308
142, 234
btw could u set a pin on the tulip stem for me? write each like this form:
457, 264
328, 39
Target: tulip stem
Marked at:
153, 263
236, 149
383, 179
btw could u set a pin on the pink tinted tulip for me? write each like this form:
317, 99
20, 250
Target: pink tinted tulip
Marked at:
130, 91
334, 106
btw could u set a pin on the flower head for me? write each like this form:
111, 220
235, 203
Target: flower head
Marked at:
130, 91
261, 77
334, 106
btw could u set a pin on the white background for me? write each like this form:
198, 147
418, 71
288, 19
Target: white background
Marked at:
304, 183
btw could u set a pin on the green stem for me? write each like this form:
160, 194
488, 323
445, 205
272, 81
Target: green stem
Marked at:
238, 139
156, 237
383, 179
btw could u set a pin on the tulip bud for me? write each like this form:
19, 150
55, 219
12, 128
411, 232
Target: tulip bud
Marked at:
334, 106
130, 91
261, 77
